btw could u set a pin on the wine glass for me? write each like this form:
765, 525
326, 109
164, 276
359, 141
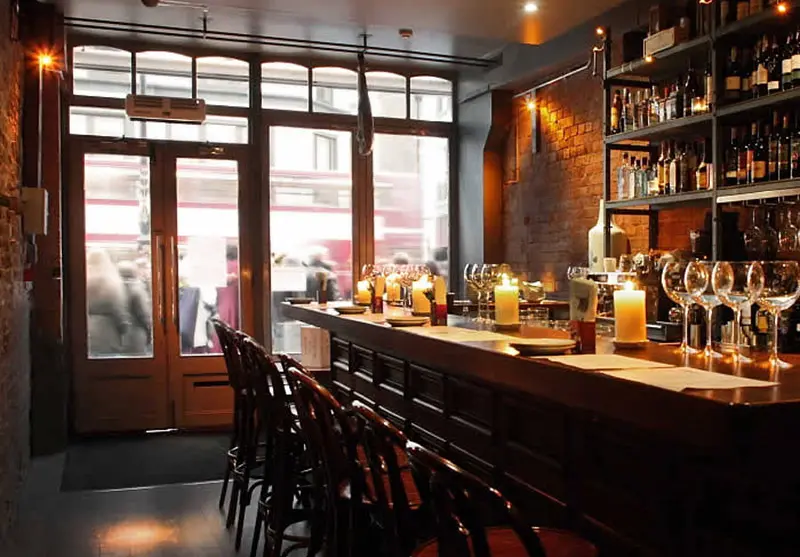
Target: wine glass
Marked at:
737, 285
478, 284
672, 280
781, 290
406, 279
698, 285
490, 273
754, 237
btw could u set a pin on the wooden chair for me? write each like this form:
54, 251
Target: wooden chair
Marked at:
340, 516
390, 481
460, 501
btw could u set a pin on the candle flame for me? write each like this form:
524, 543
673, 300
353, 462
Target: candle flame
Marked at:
628, 285
505, 280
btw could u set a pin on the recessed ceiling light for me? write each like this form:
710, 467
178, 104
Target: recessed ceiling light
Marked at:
530, 7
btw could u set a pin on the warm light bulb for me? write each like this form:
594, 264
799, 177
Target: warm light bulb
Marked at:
600, 31
531, 104
45, 60
783, 7
648, 59
530, 7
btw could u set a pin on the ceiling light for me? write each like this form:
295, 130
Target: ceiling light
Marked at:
530, 7
783, 8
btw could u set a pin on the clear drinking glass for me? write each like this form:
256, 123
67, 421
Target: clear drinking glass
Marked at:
754, 237
489, 277
477, 283
737, 285
672, 280
781, 290
698, 285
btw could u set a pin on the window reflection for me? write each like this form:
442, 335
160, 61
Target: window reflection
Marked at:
163, 74
431, 99
335, 90
284, 86
101, 71
387, 94
223, 81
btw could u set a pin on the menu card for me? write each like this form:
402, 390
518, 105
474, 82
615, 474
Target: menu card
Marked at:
456, 334
680, 378
605, 361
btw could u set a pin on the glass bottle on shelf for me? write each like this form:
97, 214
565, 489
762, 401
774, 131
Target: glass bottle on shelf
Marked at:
796, 59
774, 67
731, 177
748, 73
627, 111
733, 77
742, 9
691, 92
762, 73
726, 14
663, 103
622, 177
786, 62
690, 182
663, 169
772, 135
757, 155
672, 102
674, 175
653, 118
652, 178
784, 150
743, 168
632, 179
795, 158
616, 113
787, 234
755, 6
754, 239
668, 169
683, 182
678, 85
644, 178
709, 88
701, 174
643, 109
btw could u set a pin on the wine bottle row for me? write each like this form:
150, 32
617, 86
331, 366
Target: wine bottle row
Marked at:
737, 10
769, 66
763, 151
680, 167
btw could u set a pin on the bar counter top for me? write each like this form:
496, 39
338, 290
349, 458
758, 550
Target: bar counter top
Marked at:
703, 415
637, 469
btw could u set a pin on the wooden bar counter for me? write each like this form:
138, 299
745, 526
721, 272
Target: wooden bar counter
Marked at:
637, 469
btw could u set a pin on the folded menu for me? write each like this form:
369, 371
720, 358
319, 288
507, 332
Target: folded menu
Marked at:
605, 361
680, 378
456, 334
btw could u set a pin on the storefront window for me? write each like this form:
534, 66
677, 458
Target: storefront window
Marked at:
284, 86
223, 81
101, 71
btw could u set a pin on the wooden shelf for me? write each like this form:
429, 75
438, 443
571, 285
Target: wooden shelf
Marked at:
662, 202
681, 127
755, 192
666, 62
767, 20
775, 99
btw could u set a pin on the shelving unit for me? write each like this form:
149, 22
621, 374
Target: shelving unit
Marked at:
668, 64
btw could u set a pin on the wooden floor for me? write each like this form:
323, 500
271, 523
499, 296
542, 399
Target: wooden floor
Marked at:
165, 521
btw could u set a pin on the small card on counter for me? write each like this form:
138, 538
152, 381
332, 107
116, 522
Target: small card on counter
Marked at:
680, 378
595, 362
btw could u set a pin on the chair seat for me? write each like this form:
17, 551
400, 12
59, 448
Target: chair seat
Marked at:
503, 542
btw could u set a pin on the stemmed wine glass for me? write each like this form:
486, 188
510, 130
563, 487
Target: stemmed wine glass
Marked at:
781, 290
737, 285
672, 280
480, 286
406, 278
469, 280
490, 274
698, 285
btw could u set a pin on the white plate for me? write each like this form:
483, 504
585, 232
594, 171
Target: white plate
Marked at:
542, 346
351, 310
406, 321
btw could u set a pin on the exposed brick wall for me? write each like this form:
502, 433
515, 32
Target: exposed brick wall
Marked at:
14, 306
553, 203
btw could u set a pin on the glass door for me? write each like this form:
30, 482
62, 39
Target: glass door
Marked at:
154, 254
117, 300
206, 258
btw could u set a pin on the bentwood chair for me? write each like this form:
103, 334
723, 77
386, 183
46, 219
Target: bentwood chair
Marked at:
460, 502
390, 482
341, 521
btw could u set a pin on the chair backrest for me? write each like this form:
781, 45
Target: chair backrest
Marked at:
268, 386
230, 351
460, 501
384, 445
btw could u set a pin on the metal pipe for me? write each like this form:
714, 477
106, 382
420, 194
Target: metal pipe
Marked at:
561, 77
283, 42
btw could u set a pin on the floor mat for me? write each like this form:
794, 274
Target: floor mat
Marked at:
146, 460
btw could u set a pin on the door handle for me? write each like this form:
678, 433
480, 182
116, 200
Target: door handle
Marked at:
158, 285
173, 282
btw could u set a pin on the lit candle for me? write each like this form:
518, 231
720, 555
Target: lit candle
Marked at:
380, 286
419, 301
392, 289
363, 295
506, 302
439, 291
629, 315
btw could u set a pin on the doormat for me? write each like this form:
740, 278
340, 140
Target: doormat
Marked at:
144, 460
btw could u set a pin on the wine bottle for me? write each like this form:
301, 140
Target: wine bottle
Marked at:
682, 183
616, 113
627, 111
795, 162
663, 168
748, 73
691, 167
733, 77
726, 15
784, 150
632, 179
732, 160
673, 170
743, 167
643, 119
762, 73
771, 136
691, 93
774, 67
796, 59
757, 154
622, 177
786, 63
653, 118
709, 88
701, 174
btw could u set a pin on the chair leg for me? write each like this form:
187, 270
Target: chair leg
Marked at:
232, 506
225, 480
244, 501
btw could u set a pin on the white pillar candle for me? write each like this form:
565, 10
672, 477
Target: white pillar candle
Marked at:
506, 302
629, 315
419, 301
363, 295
